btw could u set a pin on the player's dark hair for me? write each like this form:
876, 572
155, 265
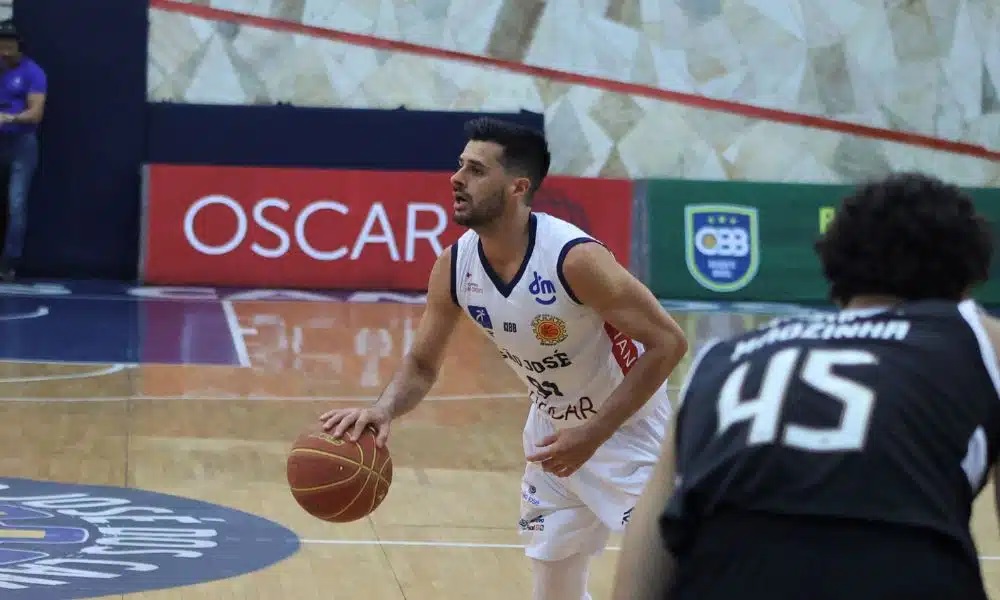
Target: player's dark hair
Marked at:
525, 151
909, 235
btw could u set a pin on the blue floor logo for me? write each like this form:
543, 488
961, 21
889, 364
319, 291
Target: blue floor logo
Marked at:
63, 542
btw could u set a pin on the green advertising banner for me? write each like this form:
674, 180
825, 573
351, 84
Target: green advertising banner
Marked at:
731, 241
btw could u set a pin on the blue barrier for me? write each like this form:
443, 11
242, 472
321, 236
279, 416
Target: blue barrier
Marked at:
83, 209
289, 136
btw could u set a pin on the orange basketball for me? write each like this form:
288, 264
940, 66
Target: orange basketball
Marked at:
338, 480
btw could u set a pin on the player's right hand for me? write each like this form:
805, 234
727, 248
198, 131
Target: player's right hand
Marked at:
354, 420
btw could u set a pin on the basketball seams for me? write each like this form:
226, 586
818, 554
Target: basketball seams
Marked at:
354, 500
379, 474
375, 481
348, 505
336, 458
364, 486
385, 468
374, 498
385, 473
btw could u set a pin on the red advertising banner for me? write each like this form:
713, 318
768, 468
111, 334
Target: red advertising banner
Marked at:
333, 229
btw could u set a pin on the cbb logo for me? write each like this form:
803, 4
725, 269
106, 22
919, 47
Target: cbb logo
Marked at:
727, 242
721, 245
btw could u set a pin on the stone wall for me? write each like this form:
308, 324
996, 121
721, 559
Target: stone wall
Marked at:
923, 66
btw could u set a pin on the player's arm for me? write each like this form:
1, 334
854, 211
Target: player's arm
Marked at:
419, 369
645, 567
600, 282
420, 366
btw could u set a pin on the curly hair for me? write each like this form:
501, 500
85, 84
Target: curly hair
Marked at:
909, 235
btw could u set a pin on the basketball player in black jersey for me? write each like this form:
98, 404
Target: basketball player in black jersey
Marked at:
837, 457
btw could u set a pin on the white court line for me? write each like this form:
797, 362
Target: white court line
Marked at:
521, 396
239, 342
458, 545
78, 363
412, 543
129, 365
63, 376
41, 311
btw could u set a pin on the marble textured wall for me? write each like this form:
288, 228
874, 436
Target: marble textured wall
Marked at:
927, 66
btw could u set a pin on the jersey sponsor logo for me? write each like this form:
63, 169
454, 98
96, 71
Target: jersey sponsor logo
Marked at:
60, 540
481, 316
543, 290
722, 245
471, 287
623, 348
536, 524
556, 360
581, 410
528, 495
510, 327
549, 330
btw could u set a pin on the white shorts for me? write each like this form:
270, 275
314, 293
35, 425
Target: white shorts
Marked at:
576, 514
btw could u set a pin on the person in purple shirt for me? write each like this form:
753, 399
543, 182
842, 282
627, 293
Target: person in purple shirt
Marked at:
23, 87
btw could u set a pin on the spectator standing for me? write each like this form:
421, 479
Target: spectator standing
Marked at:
23, 86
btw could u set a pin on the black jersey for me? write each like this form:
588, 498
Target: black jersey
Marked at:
890, 416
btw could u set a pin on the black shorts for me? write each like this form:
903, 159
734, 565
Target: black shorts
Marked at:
742, 556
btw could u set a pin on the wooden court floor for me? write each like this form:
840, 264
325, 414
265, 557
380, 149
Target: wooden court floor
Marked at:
447, 530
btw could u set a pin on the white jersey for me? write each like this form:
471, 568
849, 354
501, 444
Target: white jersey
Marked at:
570, 359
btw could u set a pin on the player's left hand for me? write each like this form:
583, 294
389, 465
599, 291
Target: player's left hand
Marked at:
565, 451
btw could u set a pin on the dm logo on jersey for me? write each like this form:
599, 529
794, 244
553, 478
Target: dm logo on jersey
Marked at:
548, 329
722, 245
481, 316
543, 290
61, 541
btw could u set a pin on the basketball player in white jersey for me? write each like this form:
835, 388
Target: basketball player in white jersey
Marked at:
591, 343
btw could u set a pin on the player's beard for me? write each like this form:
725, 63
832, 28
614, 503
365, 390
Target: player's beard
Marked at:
480, 213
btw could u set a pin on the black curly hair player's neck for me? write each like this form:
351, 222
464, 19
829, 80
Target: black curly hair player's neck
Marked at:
865, 301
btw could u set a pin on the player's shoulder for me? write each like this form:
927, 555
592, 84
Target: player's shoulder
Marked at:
559, 240
550, 229
465, 242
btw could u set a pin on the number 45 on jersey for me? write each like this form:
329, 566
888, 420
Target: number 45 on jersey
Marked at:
763, 413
